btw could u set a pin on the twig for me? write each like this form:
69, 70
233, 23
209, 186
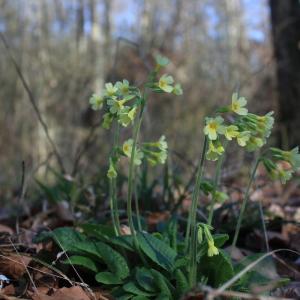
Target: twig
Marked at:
20, 200
239, 295
22, 262
33, 102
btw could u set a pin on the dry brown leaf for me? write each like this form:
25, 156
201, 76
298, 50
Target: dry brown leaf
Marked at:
4, 228
72, 293
9, 290
14, 265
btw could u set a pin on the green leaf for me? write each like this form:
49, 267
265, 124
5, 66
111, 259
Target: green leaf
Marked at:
145, 279
124, 241
182, 284
132, 288
162, 297
218, 268
108, 278
115, 262
162, 284
140, 298
220, 239
82, 261
65, 237
98, 230
157, 251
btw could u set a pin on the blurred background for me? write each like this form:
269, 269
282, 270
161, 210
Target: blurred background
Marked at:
65, 50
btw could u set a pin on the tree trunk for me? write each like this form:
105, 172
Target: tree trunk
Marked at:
285, 17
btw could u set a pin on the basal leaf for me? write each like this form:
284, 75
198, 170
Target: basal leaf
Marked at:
218, 268
157, 251
82, 261
182, 284
65, 237
145, 279
132, 288
108, 278
162, 284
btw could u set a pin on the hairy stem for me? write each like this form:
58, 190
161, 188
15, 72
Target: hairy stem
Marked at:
192, 222
131, 175
216, 183
245, 201
136, 203
113, 188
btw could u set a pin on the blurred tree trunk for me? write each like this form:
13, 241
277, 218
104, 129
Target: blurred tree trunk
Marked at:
285, 17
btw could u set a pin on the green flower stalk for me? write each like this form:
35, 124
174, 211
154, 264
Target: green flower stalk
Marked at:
216, 183
244, 203
131, 171
112, 175
191, 232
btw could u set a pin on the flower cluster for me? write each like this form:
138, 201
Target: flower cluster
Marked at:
119, 102
206, 230
282, 164
249, 130
127, 150
156, 152
166, 82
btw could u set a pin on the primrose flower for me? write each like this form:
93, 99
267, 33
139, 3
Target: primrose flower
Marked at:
165, 83
123, 87
231, 132
293, 157
243, 138
237, 105
111, 173
96, 102
116, 106
127, 115
161, 61
162, 143
266, 122
212, 249
110, 89
284, 175
254, 143
127, 149
214, 127
155, 158
215, 150
107, 120
177, 90
200, 234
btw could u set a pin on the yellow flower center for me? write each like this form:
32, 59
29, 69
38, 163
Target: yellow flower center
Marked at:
235, 106
212, 126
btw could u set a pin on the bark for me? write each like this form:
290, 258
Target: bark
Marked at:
285, 17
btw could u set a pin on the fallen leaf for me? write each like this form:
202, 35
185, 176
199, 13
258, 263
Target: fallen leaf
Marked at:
13, 265
4, 228
72, 293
